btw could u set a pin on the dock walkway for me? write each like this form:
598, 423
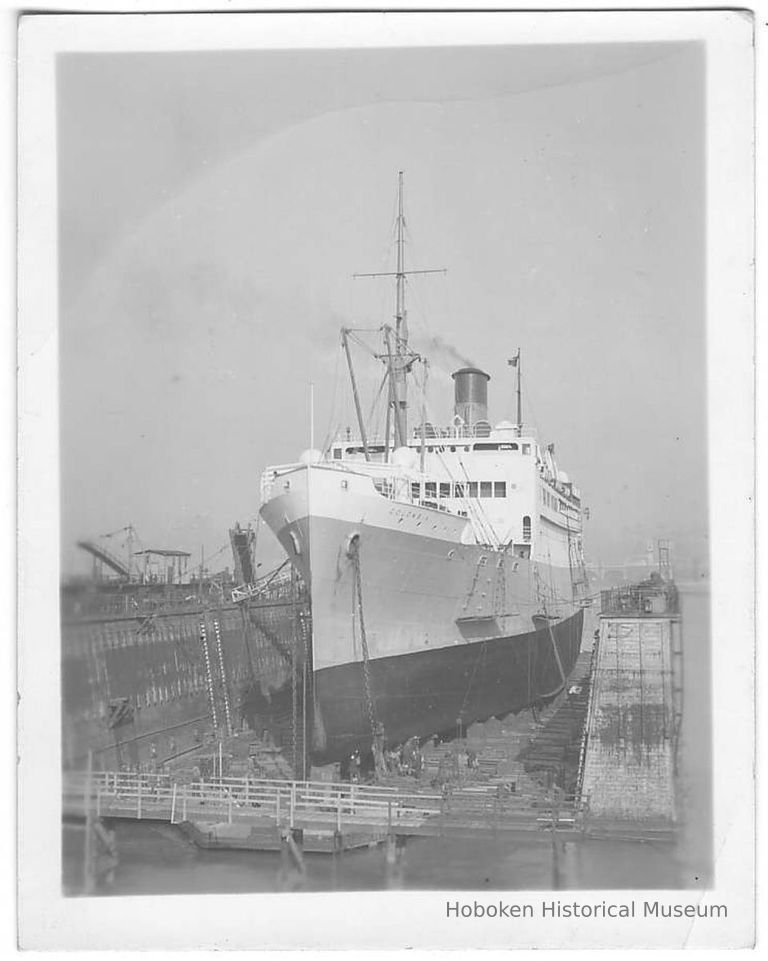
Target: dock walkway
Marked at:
346, 815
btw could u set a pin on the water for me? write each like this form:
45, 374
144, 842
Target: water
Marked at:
156, 859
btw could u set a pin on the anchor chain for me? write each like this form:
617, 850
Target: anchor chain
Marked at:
556, 652
377, 729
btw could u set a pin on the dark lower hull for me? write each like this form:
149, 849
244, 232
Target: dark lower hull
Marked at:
431, 692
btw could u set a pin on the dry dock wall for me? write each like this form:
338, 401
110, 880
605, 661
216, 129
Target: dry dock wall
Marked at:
628, 772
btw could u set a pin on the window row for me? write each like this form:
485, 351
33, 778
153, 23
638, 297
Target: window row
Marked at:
554, 503
472, 489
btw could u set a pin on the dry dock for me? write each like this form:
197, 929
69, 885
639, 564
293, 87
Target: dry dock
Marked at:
597, 762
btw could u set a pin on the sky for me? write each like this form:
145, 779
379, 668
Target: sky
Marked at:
214, 206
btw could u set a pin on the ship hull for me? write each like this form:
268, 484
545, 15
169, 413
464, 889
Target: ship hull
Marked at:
432, 692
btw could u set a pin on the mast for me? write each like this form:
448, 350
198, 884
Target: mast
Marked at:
392, 357
401, 327
400, 360
400, 368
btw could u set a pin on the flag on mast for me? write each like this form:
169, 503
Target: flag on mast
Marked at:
513, 361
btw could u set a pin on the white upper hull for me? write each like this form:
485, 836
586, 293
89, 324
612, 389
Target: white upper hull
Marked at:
426, 583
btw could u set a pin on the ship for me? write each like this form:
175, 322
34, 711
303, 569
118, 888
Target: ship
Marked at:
443, 562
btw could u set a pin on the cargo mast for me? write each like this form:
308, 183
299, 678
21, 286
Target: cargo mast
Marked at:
398, 358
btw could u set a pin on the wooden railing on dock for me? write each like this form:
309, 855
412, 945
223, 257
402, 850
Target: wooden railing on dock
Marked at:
291, 803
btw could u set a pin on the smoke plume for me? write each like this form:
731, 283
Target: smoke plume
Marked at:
442, 346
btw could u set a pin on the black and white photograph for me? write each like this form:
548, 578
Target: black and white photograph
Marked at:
386, 450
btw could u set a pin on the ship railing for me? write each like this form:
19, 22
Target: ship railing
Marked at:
438, 432
480, 431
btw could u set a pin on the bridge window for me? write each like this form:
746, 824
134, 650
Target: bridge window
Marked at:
458, 490
472, 489
486, 489
486, 446
415, 491
430, 489
375, 449
445, 490
337, 453
526, 528
499, 488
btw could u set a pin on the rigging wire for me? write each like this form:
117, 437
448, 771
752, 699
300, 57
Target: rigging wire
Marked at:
332, 428
378, 396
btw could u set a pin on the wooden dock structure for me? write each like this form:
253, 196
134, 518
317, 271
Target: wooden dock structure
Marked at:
254, 814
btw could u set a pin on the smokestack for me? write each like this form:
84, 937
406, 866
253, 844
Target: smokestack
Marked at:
471, 395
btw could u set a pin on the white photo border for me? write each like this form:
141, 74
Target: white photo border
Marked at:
47, 919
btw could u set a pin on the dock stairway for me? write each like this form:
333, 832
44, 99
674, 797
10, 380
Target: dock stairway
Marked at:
554, 749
